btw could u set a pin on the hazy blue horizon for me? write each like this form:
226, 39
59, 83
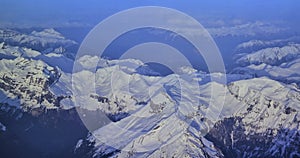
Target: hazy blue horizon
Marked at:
36, 13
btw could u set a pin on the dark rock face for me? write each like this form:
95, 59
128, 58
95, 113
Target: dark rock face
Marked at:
229, 136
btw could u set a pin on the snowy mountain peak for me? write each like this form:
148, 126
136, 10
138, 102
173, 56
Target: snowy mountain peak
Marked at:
48, 33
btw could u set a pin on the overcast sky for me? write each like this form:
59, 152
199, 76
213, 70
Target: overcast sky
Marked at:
90, 12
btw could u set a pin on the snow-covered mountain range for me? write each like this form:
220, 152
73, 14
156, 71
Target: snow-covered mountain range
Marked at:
164, 123
45, 41
279, 63
255, 45
132, 111
271, 56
